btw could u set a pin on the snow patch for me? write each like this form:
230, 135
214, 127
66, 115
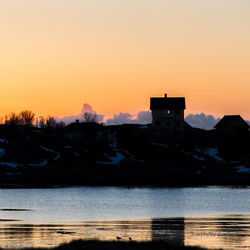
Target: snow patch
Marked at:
10, 174
10, 164
132, 156
76, 154
3, 141
243, 169
40, 164
58, 156
113, 160
212, 152
2, 152
199, 158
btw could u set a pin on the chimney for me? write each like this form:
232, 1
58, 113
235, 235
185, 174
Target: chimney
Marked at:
77, 121
165, 95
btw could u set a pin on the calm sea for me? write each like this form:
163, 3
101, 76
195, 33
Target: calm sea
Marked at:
209, 217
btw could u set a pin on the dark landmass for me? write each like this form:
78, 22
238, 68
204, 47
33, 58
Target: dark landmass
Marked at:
112, 245
90, 154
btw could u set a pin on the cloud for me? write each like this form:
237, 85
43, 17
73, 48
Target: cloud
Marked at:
121, 118
142, 117
86, 109
202, 121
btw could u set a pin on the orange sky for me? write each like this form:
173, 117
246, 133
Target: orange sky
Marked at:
58, 54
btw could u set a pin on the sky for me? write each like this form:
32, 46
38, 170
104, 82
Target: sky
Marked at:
116, 54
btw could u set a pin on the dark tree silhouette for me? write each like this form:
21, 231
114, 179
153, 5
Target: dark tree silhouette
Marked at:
42, 122
89, 117
12, 119
51, 122
27, 118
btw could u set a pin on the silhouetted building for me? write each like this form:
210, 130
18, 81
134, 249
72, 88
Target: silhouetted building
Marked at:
232, 122
168, 112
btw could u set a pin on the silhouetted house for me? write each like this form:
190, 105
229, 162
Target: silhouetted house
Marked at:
168, 112
232, 122
89, 131
83, 127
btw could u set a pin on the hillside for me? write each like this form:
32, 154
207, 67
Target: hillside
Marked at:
92, 154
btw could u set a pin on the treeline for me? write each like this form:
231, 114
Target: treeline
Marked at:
27, 118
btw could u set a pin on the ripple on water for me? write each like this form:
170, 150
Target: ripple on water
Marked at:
225, 232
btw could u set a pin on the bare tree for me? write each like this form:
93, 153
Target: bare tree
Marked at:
27, 118
89, 117
51, 122
12, 119
42, 122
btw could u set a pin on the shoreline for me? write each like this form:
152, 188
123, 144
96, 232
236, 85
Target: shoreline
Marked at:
113, 245
122, 156
19, 186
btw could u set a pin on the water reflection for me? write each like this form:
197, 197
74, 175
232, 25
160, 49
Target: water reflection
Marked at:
228, 232
225, 232
171, 230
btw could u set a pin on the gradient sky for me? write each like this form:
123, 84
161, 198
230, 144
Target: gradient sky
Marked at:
56, 55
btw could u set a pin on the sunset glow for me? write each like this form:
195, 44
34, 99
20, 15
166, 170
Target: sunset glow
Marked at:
114, 55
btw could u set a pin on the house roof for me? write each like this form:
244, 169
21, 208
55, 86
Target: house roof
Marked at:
167, 103
231, 121
83, 126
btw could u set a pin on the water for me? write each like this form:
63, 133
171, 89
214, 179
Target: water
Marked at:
208, 217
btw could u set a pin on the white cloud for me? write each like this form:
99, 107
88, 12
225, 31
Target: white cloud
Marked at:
142, 117
202, 121
87, 109
121, 118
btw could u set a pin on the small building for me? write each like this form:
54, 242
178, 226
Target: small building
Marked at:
232, 122
168, 112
